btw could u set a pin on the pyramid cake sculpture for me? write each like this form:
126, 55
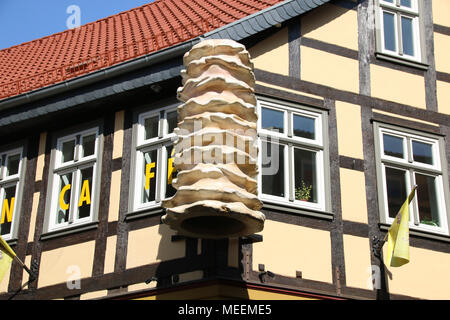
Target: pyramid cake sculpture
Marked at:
216, 148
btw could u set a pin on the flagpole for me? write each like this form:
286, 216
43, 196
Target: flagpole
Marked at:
32, 275
11, 252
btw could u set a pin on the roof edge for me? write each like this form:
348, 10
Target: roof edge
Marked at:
237, 30
272, 16
99, 75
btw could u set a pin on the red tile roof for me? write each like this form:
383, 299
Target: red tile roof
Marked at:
106, 42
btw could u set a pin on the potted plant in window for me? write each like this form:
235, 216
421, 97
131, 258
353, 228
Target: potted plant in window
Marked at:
303, 193
431, 222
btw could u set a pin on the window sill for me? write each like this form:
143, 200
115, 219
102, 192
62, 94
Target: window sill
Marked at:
292, 208
69, 230
421, 233
147, 212
404, 61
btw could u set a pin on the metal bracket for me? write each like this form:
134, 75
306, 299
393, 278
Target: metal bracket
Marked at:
254, 238
33, 271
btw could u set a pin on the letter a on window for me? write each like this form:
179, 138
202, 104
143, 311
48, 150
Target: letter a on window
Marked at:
85, 195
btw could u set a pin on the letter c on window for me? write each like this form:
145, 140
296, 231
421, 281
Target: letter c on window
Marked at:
62, 204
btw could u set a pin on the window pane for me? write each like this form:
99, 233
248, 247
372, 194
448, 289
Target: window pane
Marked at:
172, 120
273, 184
151, 127
389, 31
171, 172
68, 151
88, 143
7, 206
65, 184
304, 127
273, 120
12, 167
149, 176
393, 146
427, 200
396, 190
390, 1
305, 175
422, 152
405, 3
407, 36
84, 200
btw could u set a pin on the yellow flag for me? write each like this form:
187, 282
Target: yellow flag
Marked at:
398, 235
6, 257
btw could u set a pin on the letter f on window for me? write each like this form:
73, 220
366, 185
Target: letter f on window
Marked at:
149, 174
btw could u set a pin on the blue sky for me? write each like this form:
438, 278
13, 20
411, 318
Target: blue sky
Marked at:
26, 20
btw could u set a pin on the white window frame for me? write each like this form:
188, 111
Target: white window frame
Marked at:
161, 143
291, 142
74, 166
407, 164
8, 181
414, 13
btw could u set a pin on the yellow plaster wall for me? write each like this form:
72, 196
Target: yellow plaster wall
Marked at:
287, 248
441, 51
54, 266
288, 90
272, 54
397, 86
118, 134
26, 276
349, 129
329, 69
332, 24
114, 196
357, 262
110, 254
441, 12
426, 276
94, 294
141, 286
41, 156
153, 244
353, 195
34, 209
443, 96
